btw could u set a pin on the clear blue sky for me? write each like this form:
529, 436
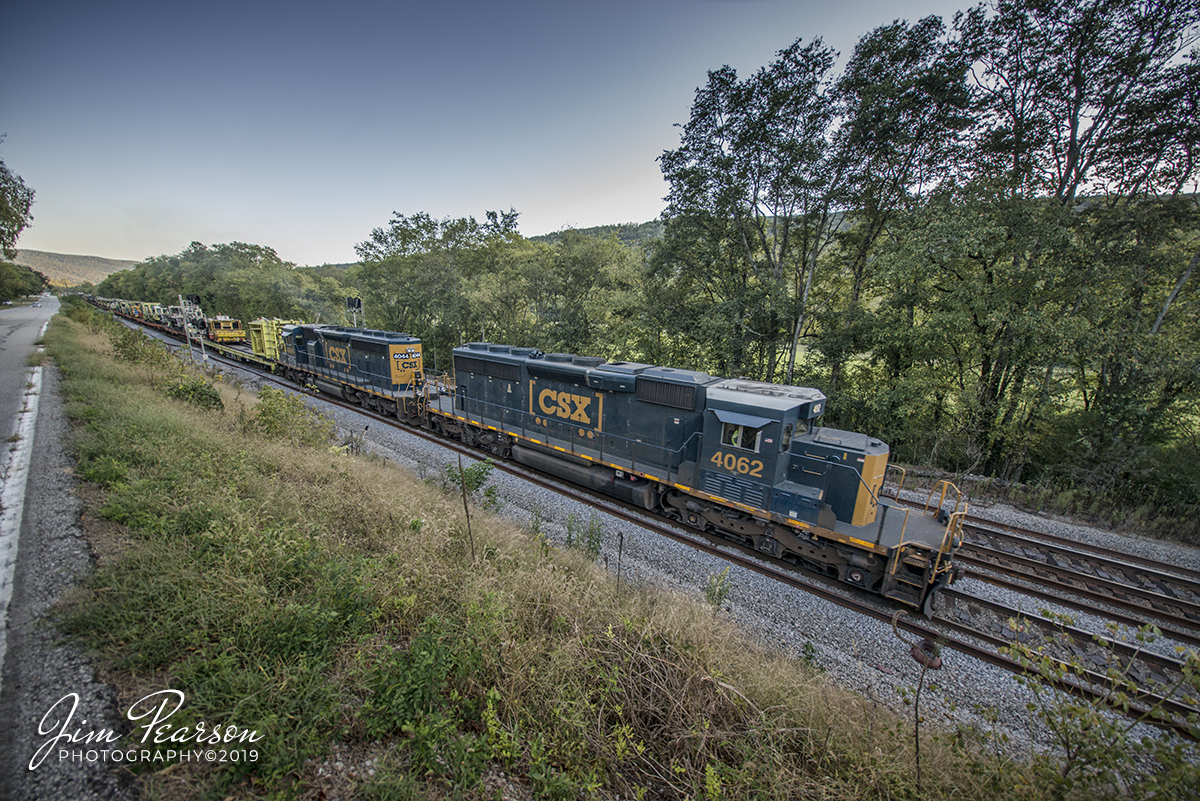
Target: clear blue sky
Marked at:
144, 126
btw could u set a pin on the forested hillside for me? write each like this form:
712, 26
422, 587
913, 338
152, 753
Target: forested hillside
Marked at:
627, 233
17, 280
979, 239
63, 269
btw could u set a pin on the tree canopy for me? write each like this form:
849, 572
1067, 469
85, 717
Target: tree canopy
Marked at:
241, 280
980, 239
16, 201
17, 280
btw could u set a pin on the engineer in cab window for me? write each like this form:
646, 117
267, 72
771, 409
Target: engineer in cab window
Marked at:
741, 437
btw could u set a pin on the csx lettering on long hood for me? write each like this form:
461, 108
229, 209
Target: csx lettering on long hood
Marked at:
338, 354
565, 405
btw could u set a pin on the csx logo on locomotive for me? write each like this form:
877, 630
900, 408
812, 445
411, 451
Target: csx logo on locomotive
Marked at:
338, 354
565, 405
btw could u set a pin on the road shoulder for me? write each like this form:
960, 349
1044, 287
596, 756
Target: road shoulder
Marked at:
42, 667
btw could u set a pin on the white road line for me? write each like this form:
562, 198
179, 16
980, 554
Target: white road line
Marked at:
12, 498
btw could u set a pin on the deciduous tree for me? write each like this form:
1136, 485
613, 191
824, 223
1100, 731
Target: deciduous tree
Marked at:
16, 200
755, 171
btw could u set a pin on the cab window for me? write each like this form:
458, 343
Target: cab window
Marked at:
790, 432
744, 438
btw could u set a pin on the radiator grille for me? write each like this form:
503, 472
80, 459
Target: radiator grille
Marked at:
680, 396
550, 374
734, 488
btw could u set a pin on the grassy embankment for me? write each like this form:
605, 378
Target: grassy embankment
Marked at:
331, 603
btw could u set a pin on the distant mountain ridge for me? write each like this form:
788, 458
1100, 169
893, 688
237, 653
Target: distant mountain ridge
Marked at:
627, 233
64, 269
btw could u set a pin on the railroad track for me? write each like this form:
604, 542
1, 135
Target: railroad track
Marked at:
1128, 589
968, 624
1128, 605
1156, 685
1117, 577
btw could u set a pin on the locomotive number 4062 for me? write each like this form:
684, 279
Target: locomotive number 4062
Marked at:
738, 464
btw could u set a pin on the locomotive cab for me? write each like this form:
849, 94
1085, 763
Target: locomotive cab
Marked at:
758, 452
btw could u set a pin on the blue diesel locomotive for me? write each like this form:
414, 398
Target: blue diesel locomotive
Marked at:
740, 459
378, 369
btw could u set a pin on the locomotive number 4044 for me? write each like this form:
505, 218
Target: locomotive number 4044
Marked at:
738, 464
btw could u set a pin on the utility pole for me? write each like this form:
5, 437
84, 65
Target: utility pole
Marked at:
187, 334
193, 302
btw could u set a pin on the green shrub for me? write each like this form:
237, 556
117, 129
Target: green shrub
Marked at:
475, 478
1099, 750
131, 345
589, 539
194, 390
717, 589
418, 692
283, 415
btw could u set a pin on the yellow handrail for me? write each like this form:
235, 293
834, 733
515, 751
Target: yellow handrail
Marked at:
954, 531
945, 486
903, 476
953, 524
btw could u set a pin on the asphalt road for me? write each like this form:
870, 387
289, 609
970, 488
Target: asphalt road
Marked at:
50, 697
20, 327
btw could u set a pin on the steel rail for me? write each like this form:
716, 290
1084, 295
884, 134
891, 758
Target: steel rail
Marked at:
1171, 630
1084, 640
1097, 589
1069, 544
1147, 712
1123, 571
